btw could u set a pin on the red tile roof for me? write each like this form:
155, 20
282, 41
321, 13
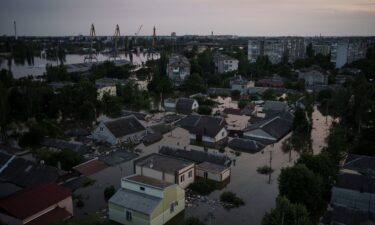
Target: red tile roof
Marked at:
56, 215
27, 202
90, 167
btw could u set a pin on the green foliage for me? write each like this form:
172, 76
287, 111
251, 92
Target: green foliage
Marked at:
265, 170
109, 69
109, 192
203, 186
269, 94
67, 158
131, 96
112, 105
205, 110
88, 182
242, 103
287, 213
194, 84
235, 94
231, 198
57, 73
301, 185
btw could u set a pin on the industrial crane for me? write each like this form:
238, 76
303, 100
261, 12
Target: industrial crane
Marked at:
91, 56
137, 33
116, 38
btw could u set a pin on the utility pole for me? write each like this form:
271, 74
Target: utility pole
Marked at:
269, 175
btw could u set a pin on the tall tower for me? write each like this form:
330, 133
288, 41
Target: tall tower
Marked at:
15, 30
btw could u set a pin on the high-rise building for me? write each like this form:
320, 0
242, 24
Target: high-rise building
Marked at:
275, 48
345, 51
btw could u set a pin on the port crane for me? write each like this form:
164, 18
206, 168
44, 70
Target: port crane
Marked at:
91, 56
116, 38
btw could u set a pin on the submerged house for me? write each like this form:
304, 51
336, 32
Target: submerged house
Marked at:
120, 130
166, 168
143, 200
205, 130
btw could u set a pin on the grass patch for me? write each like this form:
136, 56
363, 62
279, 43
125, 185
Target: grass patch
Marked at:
231, 199
203, 186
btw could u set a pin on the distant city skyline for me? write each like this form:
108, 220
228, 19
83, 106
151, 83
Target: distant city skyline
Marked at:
236, 17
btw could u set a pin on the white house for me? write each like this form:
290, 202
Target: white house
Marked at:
106, 86
212, 171
241, 84
120, 130
166, 168
145, 201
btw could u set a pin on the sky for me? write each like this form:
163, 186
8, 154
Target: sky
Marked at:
237, 17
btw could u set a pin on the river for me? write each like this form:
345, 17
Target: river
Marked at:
39, 65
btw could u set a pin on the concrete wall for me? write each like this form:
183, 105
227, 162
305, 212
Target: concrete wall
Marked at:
102, 133
118, 214
149, 172
218, 177
185, 173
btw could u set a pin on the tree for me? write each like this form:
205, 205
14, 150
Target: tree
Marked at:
269, 94
301, 185
287, 213
109, 192
194, 84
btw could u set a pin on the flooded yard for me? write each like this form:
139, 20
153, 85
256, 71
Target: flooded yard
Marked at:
245, 181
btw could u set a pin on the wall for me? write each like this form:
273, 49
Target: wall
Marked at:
111, 90
136, 187
188, 180
104, 134
118, 213
148, 172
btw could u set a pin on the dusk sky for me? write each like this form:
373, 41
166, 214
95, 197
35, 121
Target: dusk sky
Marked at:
239, 17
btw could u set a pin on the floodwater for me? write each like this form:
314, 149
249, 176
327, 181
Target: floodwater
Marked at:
245, 181
39, 65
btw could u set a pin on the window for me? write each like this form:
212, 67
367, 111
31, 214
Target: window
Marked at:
129, 216
182, 178
142, 188
190, 174
101, 129
172, 207
205, 175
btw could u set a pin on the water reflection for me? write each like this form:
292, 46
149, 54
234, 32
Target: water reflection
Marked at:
35, 66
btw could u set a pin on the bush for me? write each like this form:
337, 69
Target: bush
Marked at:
203, 186
265, 170
205, 110
193, 221
231, 198
80, 203
88, 182
109, 192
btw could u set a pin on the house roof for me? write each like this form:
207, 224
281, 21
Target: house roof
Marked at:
63, 145
196, 156
118, 157
246, 145
212, 167
151, 138
277, 127
149, 181
90, 167
28, 202
203, 125
163, 163
136, 201
124, 126
8, 189
161, 128
275, 106
25, 173
184, 104
138, 115
56, 215
232, 111
356, 182
361, 163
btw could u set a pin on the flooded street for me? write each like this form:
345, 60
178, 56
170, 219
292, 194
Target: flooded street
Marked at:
320, 131
245, 181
